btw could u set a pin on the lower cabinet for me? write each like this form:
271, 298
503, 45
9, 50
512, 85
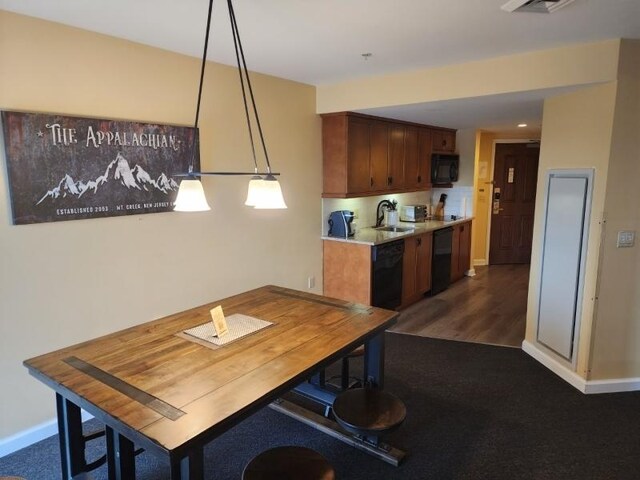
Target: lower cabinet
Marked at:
416, 268
347, 271
460, 250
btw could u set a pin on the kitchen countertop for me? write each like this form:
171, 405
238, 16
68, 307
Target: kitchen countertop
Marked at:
372, 236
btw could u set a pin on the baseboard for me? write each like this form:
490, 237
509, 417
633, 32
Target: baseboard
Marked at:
613, 385
569, 376
479, 262
32, 435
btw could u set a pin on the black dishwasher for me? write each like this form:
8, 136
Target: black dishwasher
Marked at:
387, 274
441, 260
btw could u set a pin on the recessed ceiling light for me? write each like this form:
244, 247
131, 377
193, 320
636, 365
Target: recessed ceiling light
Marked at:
522, 125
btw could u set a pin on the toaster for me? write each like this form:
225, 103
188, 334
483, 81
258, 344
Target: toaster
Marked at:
413, 213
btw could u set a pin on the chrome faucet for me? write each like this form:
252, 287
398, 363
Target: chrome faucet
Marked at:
389, 205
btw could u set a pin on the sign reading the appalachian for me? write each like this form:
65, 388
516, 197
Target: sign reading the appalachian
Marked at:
71, 168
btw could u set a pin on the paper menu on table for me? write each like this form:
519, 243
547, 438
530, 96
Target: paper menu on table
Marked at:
219, 322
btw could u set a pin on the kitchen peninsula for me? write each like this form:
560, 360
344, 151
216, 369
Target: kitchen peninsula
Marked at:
350, 268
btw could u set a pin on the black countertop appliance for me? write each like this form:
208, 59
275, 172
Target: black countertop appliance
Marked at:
340, 224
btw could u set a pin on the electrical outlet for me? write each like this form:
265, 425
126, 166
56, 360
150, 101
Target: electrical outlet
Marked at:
311, 282
626, 239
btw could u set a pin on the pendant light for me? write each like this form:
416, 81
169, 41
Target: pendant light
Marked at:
264, 191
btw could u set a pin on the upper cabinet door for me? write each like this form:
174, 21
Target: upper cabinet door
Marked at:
358, 171
411, 167
379, 156
444, 140
424, 158
396, 176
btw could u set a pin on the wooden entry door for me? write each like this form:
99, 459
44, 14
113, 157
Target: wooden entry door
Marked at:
514, 194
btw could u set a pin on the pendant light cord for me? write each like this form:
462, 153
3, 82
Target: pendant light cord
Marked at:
244, 93
238, 43
204, 62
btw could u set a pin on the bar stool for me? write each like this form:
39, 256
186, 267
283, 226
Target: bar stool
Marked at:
368, 412
289, 463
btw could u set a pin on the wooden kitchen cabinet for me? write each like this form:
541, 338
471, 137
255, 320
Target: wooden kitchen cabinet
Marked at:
443, 140
365, 155
416, 268
395, 166
358, 171
379, 156
417, 158
347, 271
460, 250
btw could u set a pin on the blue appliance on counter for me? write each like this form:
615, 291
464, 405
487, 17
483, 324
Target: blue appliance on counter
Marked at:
340, 224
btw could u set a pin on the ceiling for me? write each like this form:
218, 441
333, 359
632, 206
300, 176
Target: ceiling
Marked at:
321, 42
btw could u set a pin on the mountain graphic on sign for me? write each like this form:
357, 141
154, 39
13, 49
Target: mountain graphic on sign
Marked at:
119, 171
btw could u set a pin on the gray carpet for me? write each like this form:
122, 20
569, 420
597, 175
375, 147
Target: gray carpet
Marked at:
474, 412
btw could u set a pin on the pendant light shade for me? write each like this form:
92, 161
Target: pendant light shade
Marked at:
269, 195
191, 197
253, 192
264, 190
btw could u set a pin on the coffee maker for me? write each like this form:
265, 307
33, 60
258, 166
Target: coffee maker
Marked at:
340, 224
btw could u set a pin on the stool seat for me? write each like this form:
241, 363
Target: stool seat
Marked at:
289, 463
368, 411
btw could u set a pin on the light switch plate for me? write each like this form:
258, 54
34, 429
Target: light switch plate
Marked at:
626, 238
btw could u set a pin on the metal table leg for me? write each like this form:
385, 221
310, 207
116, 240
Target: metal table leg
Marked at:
190, 467
374, 361
120, 456
71, 438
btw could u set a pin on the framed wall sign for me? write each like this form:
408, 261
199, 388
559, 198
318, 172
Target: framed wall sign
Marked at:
70, 168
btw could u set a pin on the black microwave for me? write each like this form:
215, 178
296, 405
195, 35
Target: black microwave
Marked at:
444, 168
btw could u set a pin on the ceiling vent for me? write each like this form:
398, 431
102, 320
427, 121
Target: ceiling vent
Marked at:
535, 6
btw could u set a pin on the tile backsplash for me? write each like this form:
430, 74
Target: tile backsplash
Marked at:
365, 207
459, 202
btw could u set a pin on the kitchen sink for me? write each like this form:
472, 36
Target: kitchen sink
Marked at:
395, 229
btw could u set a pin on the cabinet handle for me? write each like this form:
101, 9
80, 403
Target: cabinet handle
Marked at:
371, 181
389, 180
419, 241
419, 178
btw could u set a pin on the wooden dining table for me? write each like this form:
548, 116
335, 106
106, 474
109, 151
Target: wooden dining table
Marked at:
158, 389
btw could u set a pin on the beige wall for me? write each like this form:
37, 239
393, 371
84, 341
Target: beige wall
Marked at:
616, 332
567, 66
576, 133
64, 282
466, 147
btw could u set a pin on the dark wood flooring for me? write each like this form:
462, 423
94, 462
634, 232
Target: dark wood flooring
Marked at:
488, 308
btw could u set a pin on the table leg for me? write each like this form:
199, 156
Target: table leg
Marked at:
374, 361
71, 438
121, 460
190, 467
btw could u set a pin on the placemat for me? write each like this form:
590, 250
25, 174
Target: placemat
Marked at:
239, 326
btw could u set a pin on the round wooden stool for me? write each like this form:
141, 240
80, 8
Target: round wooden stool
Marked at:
368, 411
289, 463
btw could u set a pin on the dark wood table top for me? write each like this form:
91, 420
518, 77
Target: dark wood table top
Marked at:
151, 380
